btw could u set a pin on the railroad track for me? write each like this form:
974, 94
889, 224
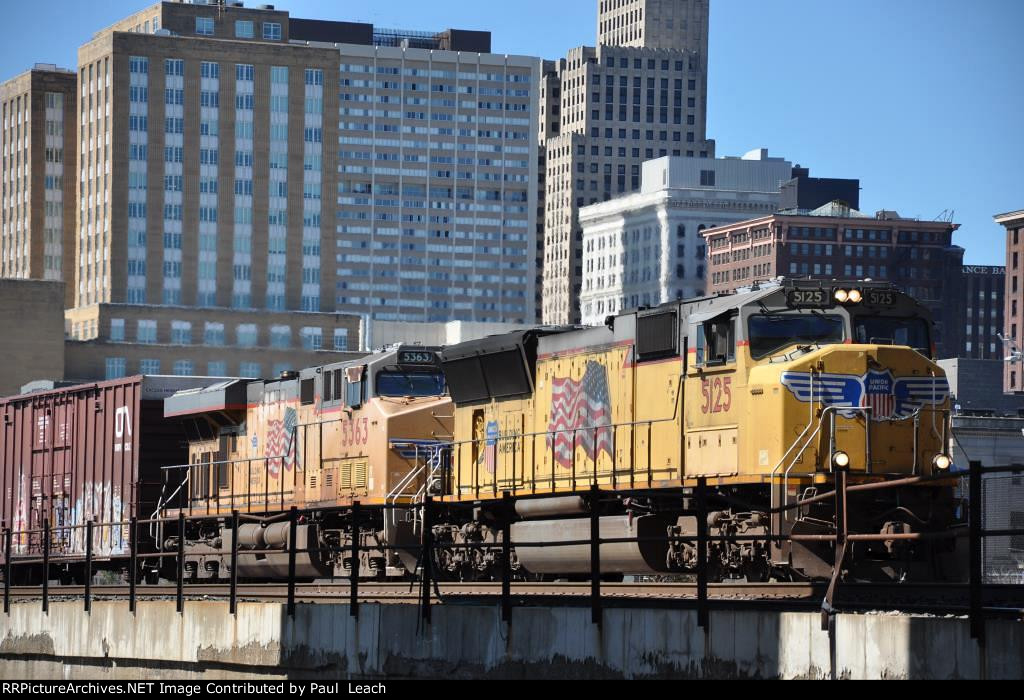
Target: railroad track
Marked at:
950, 598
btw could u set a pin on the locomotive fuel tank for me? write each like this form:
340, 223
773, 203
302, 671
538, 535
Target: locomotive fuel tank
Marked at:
645, 553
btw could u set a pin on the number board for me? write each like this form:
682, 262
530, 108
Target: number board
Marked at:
809, 298
419, 357
879, 297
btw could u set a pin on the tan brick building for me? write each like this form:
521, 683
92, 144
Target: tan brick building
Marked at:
1013, 222
37, 211
640, 94
32, 339
108, 341
239, 158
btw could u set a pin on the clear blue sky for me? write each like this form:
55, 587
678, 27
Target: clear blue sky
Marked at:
923, 100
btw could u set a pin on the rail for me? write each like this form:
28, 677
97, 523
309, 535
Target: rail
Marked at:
98, 544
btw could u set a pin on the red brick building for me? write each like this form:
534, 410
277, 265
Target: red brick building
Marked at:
1014, 309
836, 242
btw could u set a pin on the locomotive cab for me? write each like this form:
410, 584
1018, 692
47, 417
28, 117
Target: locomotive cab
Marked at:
817, 373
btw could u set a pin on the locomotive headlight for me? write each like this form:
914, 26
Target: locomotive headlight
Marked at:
842, 295
942, 462
840, 460
855, 296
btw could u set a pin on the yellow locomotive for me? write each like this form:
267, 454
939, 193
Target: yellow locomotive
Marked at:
368, 430
764, 393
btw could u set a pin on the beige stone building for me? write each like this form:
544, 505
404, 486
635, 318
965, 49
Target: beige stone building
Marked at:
32, 339
653, 24
37, 175
640, 94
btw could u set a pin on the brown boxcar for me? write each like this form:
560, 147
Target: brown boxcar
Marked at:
86, 452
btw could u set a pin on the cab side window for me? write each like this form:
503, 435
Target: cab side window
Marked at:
354, 388
716, 342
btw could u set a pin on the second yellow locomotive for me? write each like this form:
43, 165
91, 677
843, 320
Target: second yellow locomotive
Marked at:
368, 431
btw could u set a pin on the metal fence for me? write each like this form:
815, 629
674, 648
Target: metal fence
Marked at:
1003, 510
993, 530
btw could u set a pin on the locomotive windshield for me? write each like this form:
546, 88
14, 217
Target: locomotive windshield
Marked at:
771, 333
397, 383
912, 332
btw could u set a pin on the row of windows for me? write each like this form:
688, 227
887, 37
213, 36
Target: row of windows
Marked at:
246, 335
244, 29
117, 368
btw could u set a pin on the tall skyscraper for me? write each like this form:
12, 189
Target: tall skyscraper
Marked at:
653, 24
239, 158
640, 94
37, 205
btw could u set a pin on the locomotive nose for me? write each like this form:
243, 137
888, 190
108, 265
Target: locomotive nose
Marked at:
897, 416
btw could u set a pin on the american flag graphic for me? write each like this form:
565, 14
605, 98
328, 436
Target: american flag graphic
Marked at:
278, 447
880, 395
580, 411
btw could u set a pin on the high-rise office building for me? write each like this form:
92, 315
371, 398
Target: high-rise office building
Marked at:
640, 94
239, 158
985, 299
37, 210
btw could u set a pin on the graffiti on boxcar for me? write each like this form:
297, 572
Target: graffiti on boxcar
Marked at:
102, 502
19, 523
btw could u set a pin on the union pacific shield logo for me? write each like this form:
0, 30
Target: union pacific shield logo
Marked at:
889, 397
880, 395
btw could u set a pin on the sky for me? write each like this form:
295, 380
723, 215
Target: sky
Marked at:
922, 100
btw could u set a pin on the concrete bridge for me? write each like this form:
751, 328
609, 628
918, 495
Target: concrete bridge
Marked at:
468, 641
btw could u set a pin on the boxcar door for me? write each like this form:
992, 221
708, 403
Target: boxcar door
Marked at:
60, 469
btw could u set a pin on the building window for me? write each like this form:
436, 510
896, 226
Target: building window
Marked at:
149, 366
204, 26
181, 333
312, 339
280, 337
245, 29
247, 335
217, 369
146, 332
272, 31
117, 367
117, 330
250, 370
214, 334
341, 339
183, 368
